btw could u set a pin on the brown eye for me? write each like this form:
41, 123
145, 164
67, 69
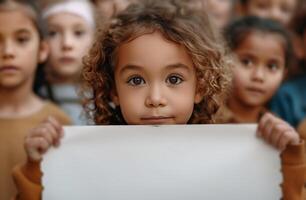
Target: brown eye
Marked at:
52, 33
246, 62
79, 33
273, 67
174, 80
135, 81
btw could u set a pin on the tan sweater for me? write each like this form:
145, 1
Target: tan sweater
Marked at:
12, 133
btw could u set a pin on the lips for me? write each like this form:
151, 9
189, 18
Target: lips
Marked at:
255, 90
8, 68
156, 119
67, 60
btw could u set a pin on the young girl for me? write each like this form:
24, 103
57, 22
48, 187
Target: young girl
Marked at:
21, 49
279, 10
262, 49
71, 27
156, 63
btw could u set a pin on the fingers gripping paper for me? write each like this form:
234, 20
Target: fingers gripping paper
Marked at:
193, 162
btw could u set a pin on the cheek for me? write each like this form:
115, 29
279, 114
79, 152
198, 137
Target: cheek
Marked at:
240, 77
274, 83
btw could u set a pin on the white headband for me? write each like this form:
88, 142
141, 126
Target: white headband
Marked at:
80, 8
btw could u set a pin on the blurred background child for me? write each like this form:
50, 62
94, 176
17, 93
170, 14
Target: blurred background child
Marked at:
22, 48
279, 10
71, 27
262, 51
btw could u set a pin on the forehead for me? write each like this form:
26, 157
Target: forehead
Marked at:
268, 44
152, 49
20, 20
66, 19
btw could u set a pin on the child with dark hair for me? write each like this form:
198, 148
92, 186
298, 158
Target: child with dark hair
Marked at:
279, 10
157, 62
262, 51
22, 49
290, 101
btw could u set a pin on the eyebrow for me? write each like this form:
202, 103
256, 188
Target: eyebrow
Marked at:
23, 31
168, 67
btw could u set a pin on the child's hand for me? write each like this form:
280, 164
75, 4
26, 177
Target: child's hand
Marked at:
277, 132
41, 138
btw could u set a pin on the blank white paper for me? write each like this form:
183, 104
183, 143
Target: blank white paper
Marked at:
180, 162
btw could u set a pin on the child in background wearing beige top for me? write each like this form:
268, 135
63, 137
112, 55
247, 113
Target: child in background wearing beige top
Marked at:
22, 48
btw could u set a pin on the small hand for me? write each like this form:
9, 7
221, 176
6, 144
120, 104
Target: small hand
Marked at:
41, 138
277, 132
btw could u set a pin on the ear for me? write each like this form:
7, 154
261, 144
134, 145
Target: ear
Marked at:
198, 97
115, 97
43, 52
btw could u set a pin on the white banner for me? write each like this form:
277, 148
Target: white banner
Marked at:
181, 162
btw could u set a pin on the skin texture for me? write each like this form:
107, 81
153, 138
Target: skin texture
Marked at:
279, 10
69, 39
164, 82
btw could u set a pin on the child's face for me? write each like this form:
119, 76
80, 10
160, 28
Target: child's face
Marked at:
260, 69
20, 49
220, 11
69, 38
155, 81
280, 10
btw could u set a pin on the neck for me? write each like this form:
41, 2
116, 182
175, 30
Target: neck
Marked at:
244, 113
19, 101
57, 79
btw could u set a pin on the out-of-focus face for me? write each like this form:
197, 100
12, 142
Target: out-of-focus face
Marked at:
220, 11
260, 69
70, 36
155, 81
279, 10
110, 7
20, 49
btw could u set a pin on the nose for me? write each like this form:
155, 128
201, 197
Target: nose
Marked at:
258, 74
155, 97
8, 50
67, 42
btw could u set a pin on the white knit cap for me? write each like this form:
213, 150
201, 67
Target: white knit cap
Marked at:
78, 7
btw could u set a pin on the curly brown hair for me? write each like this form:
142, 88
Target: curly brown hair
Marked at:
178, 23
